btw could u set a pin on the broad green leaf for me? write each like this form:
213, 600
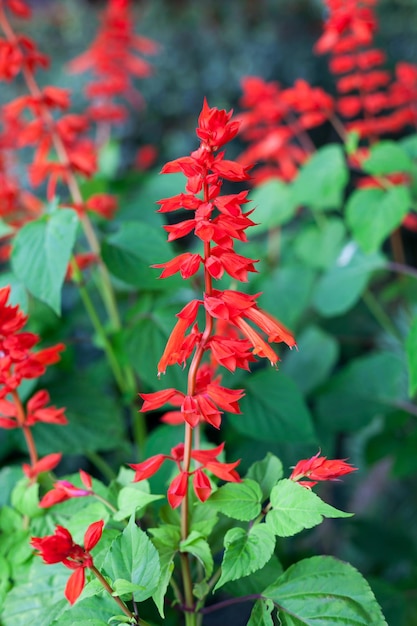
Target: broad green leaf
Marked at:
341, 286
144, 344
261, 613
368, 386
94, 611
122, 587
411, 349
95, 419
41, 253
294, 284
166, 540
273, 409
203, 520
77, 522
196, 545
322, 590
387, 157
18, 294
320, 246
245, 552
321, 182
315, 358
241, 501
130, 251
409, 145
5, 229
133, 500
25, 498
255, 583
141, 203
273, 205
295, 508
133, 557
266, 473
372, 214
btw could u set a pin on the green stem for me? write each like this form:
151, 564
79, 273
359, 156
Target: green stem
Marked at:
106, 502
122, 605
379, 314
101, 465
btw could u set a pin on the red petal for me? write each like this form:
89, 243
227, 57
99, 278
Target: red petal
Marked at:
93, 535
75, 585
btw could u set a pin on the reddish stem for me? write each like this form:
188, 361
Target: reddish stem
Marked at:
21, 420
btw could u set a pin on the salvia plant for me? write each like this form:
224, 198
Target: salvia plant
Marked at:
177, 412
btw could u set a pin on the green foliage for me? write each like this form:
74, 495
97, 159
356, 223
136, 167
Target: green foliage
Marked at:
323, 589
372, 214
295, 508
241, 501
133, 558
245, 552
273, 205
273, 410
266, 473
321, 182
387, 157
41, 252
411, 348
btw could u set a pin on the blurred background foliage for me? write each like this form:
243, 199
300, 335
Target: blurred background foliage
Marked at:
348, 378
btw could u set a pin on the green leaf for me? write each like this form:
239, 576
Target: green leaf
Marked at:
130, 251
411, 350
273, 409
18, 293
261, 613
273, 205
133, 557
241, 501
367, 387
321, 182
342, 285
41, 253
372, 214
25, 498
409, 145
294, 283
320, 247
266, 473
312, 364
196, 545
133, 500
323, 590
245, 552
166, 540
255, 583
5, 229
95, 418
295, 508
123, 587
387, 157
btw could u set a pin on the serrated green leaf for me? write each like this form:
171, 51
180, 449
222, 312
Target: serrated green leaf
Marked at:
321, 182
130, 251
273, 205
342, 285
316, 356
41, 253
273, 409
261, 613
266, 473
166, 540
386, 157
132, 500
411, 350
372, 214
241, 501
122, 587
295, 508
368, 386
319, 247
323, 590
196, 545
133, 557
245, 552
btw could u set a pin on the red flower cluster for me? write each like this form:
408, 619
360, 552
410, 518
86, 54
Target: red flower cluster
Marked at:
220, 220
275, 124
386, 104
201, 483
319, 468
17, 363
60, 548
114, 58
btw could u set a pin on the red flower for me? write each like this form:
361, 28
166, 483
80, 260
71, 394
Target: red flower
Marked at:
46, 464
64, 490
60, 548
320, 468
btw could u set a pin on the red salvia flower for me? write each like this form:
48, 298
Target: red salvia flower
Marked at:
64, 490
320, 468
60, 548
